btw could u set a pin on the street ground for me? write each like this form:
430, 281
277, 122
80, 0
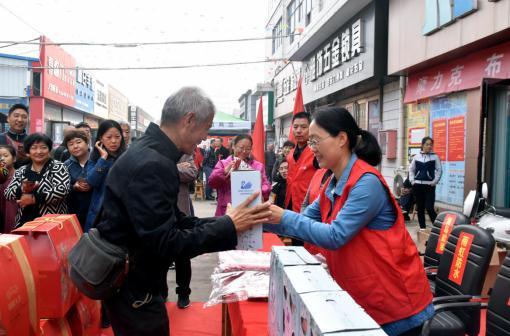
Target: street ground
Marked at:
204, 265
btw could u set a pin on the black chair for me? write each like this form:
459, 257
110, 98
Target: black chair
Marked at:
498, 312
454, 286
432, 251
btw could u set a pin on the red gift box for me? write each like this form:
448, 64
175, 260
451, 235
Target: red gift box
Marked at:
55, 327
85, 317
50, 238
18, 305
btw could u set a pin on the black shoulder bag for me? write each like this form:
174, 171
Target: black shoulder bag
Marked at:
96, 266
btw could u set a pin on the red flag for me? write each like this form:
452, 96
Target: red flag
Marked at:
298, 106
259, 135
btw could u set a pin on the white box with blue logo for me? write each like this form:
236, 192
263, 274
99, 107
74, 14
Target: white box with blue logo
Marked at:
243, 183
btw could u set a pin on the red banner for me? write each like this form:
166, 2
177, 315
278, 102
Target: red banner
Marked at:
461, 74
439, 136
456, 141
59, 77
460, 257
446, 229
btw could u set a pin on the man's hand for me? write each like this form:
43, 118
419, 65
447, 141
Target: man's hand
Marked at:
183, 165
244, 217
276, 214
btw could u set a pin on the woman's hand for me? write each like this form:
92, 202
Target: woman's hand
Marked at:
81, 186
276, 214
228, 168
102, 152
26, 200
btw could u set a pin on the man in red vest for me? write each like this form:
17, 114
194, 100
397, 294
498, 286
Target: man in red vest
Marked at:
301, 165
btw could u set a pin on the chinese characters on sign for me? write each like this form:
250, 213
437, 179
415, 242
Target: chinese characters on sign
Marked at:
460, 257
446, 229
464, 73
339, 50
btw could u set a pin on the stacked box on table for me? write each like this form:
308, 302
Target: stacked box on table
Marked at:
50, 238
281, 257
18, 298
85, 317
333, 313
297, 281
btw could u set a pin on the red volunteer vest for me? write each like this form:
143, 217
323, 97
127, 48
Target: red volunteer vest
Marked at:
298, 178
314, 191
380, 269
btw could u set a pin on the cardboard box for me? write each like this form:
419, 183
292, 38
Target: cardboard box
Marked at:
497, 259
282, 257
50, 238
298, 280
333, 313
18, 298
244, 183
55, 327
422, 238
85, 317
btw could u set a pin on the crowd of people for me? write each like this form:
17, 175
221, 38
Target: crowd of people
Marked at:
322, 190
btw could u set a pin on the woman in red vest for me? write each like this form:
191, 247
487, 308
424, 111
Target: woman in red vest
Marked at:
359, 228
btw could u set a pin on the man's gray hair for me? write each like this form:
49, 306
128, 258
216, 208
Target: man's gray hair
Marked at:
123, 122
187, 99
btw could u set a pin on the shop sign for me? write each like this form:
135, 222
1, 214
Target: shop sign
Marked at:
132, 117
286, 85
461, 74
84, 99
101, 99
345, 59
59, 76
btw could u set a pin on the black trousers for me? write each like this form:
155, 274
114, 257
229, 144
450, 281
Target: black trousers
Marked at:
137, 313
425, 196
183, 276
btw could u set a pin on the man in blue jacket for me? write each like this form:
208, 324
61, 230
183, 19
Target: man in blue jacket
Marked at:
140, 212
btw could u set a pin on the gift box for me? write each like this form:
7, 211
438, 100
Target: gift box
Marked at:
283, 257
18, 305
85, 317
50, 238
55, 327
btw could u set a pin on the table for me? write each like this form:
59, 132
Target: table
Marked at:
245, 318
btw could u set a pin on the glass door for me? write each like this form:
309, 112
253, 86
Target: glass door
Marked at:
500, 172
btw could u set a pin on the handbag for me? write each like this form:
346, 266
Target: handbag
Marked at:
96, 266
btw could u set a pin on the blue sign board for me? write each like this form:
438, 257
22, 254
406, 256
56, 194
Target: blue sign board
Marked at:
84, 97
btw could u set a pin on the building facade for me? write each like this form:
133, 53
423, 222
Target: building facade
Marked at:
339, 50
456, 57
14, 84
139, 120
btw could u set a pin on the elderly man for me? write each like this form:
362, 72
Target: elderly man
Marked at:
140, 212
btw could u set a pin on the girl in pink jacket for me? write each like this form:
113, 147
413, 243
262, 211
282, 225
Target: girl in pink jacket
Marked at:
220, 177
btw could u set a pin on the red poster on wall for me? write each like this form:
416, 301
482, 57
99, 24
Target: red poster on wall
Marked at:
439, 136
59, 76
456, 135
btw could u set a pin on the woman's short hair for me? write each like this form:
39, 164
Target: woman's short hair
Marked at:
75, 134
10, 149
35, 138
425, 139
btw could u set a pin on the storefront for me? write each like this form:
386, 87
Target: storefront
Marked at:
14, 84
117, 105
464, 106
139, 120
62, 94
348, 69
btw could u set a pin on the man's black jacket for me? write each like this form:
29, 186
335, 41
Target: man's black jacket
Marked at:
140, 211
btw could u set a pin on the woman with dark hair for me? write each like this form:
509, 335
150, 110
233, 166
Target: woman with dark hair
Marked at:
424, 175
79, 167
8, 208
41, 186
241, 159
109, 145
359, 228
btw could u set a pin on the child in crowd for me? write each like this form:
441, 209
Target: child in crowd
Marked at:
280, 187
79, 167
8, 209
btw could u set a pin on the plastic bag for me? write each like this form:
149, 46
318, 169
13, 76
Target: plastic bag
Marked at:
238, 286
239, 260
